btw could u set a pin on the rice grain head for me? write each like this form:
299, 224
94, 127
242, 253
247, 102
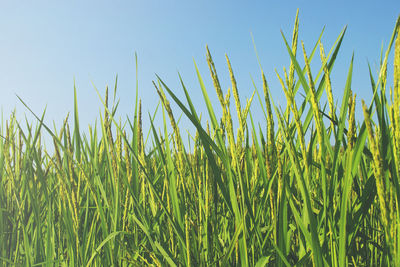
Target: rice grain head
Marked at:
270, 120
396, 91
314, 104
294, 50
328, 87
377, 166
351, 134
292, 104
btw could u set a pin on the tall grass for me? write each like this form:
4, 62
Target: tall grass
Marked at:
321, 191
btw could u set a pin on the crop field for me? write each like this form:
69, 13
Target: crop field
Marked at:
317, 188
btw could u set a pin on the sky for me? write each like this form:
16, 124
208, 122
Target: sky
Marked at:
47, 46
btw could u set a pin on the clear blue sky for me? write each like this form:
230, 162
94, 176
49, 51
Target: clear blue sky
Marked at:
45, 45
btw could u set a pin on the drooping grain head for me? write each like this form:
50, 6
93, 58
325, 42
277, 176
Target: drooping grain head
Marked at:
214, 77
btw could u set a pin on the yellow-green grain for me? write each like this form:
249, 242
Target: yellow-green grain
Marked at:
107, 122
378, 167
187, 229
351, 133
292, 104
314, 104
214, 77
294, 50
270, 120
129, 175
396, 92
235, 93
328, 87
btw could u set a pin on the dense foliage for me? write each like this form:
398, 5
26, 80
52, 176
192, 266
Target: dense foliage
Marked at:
315, 189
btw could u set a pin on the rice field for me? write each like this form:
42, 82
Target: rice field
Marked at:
317, 188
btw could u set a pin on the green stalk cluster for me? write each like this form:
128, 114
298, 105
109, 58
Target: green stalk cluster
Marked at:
298, 194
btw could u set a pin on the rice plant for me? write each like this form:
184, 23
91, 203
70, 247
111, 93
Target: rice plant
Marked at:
317, 188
